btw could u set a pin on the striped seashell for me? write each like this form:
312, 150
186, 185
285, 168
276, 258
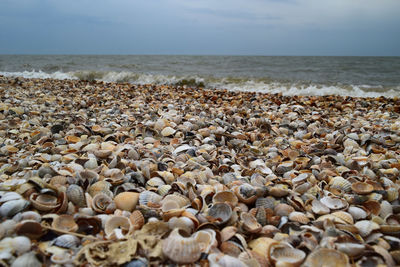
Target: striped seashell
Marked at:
181, 249
76, 195
340, 183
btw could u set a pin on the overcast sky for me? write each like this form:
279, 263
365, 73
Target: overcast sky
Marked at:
235, 27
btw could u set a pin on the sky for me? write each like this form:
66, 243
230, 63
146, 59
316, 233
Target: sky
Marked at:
203, 27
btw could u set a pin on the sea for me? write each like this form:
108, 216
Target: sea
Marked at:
288, 75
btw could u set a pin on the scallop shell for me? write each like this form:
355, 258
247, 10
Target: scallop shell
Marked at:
179, 199
155, 182
250, 223
147, 198
163, 190
221, 212
65, 223
137, 220
117, 227
362, 188
299, 217
126, 200
99, 187
386, 209
76, 195
340, 183
180, 249
66, 241
345, 216
334, 203
286, 256
327, 257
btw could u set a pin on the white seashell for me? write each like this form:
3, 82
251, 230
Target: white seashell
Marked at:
333, 203
91, 164
365, 227
183, 223
182, 148
357, 213
27, 260
66, 241
10, 196
12, 207
319, 208
351, 249
181, 249
386, 209
21, 244
207, 239
168, 131
27, 215
8, 227
222, 260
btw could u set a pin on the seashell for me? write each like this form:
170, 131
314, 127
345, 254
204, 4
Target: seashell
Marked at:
262, 246
345, 216
180, 200
27, 215
12, 207
227, 197
10, 196
137, 263
350, 249
65, 223
372, 206
180, 248
21, 244
76, 195
66, 241
72, 139
334, 203
102, 203
126, 200
365, 227
362, 188
266, 202
230, 248
168, 177
249, 223
340, 183
155, 182
102, 153
246, 193
286, 256
29, 228
99, 187
137, 220
163, 189
299, 217
220, 212
319, 208
390, 229
327, 257
183, 223
168, 131
88, 175
62, 258
228, 232
117, 227
91, 164
392, 194
147, 198
283, 209
27, 260
386, 209
207, 239
224, 261
357, 213
279, 190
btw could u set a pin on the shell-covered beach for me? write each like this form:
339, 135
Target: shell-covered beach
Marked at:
106, 174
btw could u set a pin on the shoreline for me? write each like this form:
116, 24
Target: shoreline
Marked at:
288, 167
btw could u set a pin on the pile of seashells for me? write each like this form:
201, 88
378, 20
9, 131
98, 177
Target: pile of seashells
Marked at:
105, 174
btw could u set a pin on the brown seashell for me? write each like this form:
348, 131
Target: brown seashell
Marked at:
99, 187
30, 228
102, 153
226, 197
230, 248
362, 188
345, 216
65, 223
126, 200
228, 232
372, 206
299, 217
246, 194
72, 139
180, 200
101, 203
181, 249
44, 202
249, 223
279, 190
283, 209
262, 246
283, 255
327, 257
137, 220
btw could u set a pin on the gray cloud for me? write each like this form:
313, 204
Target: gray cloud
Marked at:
269, 27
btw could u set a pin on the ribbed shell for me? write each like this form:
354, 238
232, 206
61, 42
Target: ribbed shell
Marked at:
181, 249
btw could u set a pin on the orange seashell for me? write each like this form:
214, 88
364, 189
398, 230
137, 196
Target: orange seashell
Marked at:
72, 139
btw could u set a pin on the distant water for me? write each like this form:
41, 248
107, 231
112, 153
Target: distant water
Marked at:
352, 76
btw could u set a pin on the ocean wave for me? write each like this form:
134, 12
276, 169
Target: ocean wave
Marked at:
261, 85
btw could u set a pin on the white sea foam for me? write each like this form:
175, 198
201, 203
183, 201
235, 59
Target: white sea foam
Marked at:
261, 86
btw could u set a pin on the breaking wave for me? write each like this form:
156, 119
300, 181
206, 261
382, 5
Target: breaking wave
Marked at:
261, 85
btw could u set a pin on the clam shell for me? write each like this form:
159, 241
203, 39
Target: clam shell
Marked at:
12, 207
66, 241
327, 257
148, 197
246, 193
319, 208
28, 259
372, 206
126, 200
226, 197
99, 187
362, 188
283, 209
345, 216
168, 131
65, 223
286, 256
137, 220
29, 228
250, 223
221, 212
340, 183
183, 223
88, 175
357, 213
299, 217
365, 227
334, 203
351, 249
180, 249
230, 248
180, 200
